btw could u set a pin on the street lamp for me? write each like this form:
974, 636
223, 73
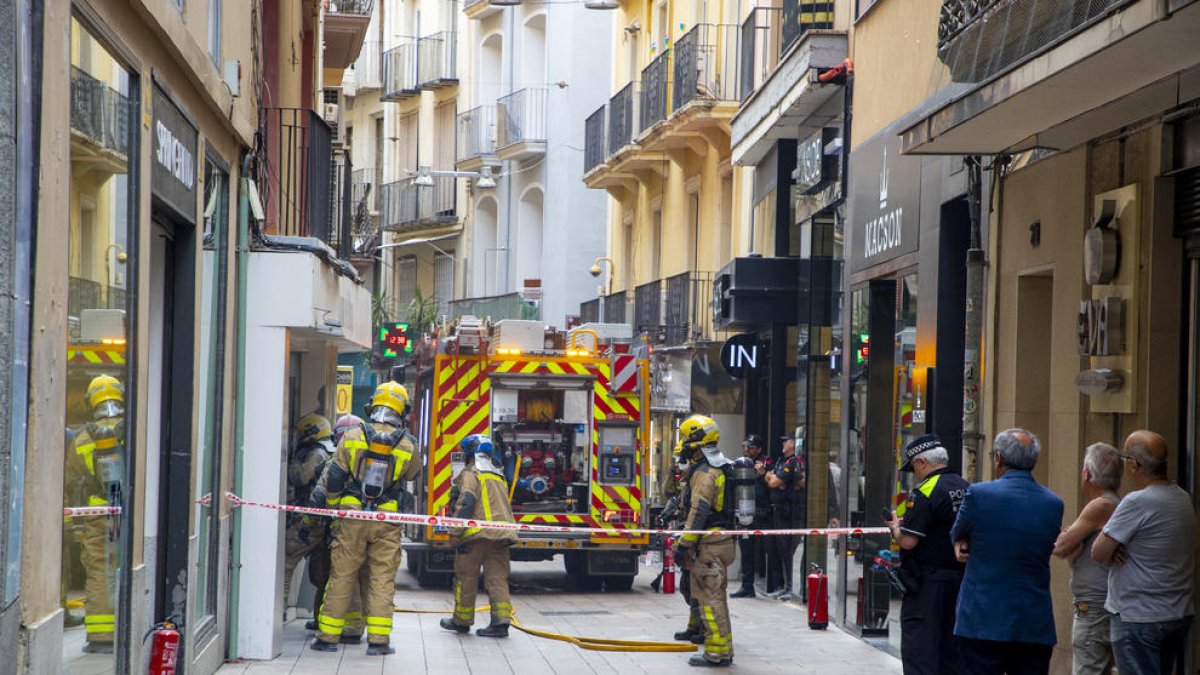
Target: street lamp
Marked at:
484, 179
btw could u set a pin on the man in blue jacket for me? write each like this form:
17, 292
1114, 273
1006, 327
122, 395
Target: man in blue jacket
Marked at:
1005, 533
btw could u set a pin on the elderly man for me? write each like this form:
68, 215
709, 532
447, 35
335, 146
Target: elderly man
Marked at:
1149, 541
1090, 643
930, 571
1005, 533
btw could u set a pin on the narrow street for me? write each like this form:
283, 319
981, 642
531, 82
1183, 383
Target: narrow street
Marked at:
769, 636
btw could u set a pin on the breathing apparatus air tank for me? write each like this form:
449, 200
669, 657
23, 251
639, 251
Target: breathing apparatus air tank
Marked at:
744, 477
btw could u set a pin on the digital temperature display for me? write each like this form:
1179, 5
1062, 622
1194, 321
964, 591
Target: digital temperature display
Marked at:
394, 340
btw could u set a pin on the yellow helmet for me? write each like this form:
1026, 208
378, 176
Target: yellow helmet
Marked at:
104, 388
699, 430
392, 396
312, 428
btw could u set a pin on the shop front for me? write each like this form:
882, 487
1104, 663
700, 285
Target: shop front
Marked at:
901, 356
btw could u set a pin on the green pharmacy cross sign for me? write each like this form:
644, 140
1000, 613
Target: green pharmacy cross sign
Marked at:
394, 340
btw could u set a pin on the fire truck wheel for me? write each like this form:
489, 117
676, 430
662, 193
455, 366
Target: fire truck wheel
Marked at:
618, 584
578, 578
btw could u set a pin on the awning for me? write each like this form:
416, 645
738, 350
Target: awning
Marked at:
1126, 67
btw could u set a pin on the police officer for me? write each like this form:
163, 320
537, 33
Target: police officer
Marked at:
751, 547
367, 473
96, 470
305, 536
786, 481
707, 506
928, 569
483, 495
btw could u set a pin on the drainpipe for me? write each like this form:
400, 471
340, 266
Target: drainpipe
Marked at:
972, 436
243, 265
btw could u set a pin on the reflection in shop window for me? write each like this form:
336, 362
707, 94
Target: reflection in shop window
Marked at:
96, 474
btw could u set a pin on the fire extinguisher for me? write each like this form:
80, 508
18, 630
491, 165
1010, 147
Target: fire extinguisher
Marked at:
818, 598
164, 648
668, 580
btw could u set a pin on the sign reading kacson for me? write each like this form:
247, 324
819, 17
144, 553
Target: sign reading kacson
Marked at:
886, 193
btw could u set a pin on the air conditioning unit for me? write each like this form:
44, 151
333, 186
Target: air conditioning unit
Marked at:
331, 114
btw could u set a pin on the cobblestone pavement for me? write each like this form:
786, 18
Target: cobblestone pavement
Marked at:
769, 636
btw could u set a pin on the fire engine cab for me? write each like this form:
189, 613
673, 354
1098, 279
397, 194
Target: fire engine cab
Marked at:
570, 412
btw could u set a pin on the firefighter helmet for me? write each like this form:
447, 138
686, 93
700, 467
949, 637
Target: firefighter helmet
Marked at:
344, 424
312, 428
699, 430
106, 397
480, 444
389, 404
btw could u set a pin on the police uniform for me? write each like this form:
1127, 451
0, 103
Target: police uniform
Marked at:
483, 495
932, 576
708, 507
366, 473
787, 509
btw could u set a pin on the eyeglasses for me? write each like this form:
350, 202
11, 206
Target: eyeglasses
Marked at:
1130, 457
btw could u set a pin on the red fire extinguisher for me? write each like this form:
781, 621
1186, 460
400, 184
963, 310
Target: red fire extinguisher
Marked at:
668, 580
164, 648
818, 598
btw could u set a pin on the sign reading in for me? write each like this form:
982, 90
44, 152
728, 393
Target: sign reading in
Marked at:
743, 355
394, 340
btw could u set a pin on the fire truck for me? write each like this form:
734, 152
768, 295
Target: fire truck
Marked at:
570, 410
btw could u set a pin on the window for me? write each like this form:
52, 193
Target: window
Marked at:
407, 139
406, 283
444, 124
443, 282
214, 31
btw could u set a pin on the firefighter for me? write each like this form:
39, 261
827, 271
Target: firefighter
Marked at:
707, 506
96, 471
305, 536
483, 495
367, 474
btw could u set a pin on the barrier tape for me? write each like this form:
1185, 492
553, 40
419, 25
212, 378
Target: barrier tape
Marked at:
71, 511
445, 521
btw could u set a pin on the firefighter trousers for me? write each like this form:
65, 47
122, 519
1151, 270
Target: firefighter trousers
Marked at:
300, 541
492, 555
99, 558
360, 544
709, 581
685, 590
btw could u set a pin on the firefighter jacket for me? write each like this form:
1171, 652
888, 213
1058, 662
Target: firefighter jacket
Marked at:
483, 495
304, 468
95, 466
706, 504
368, 470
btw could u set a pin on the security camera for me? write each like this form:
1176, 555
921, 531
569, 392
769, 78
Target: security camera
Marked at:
594, 271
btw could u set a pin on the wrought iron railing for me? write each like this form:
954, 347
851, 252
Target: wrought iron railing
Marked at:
521, 117
306, 187
589, 311
706, 65
647, 303
400, 71
978, 39
687, 308
90, 294
368, 69
614, 308
593, 139
100, 112
476, 133
406, 204
656, 84
801, 16
435, 59
355, 7
621, 119
365, 189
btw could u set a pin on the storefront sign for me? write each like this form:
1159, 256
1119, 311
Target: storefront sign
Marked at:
743, 355
173, 178
886, 198
345, 390
813, 167
671, 381
1100, 327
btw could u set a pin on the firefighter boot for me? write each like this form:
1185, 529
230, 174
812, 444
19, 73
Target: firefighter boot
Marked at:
449, 624
319, 645
699, 661
381, 649
689, 635
496, 630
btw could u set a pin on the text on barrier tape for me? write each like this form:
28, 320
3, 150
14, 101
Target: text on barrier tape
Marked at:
444, 521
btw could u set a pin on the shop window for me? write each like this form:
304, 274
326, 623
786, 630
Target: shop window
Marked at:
99, 431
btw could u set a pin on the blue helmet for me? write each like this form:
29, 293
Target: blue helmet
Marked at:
479, 444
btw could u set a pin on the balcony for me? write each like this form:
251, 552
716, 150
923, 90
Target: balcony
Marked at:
589, 311
647, 304
496, 307
476, 139
306, 186
436, 56
656, 85
407, 207
100, 120
621, 119
480, 9
1056, 73
675, 310
345, 27
521, 124
614, 308
400, 71
367, 72
365, 189
594, 142
706, 66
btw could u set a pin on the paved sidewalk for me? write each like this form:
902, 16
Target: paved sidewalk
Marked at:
769, 636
